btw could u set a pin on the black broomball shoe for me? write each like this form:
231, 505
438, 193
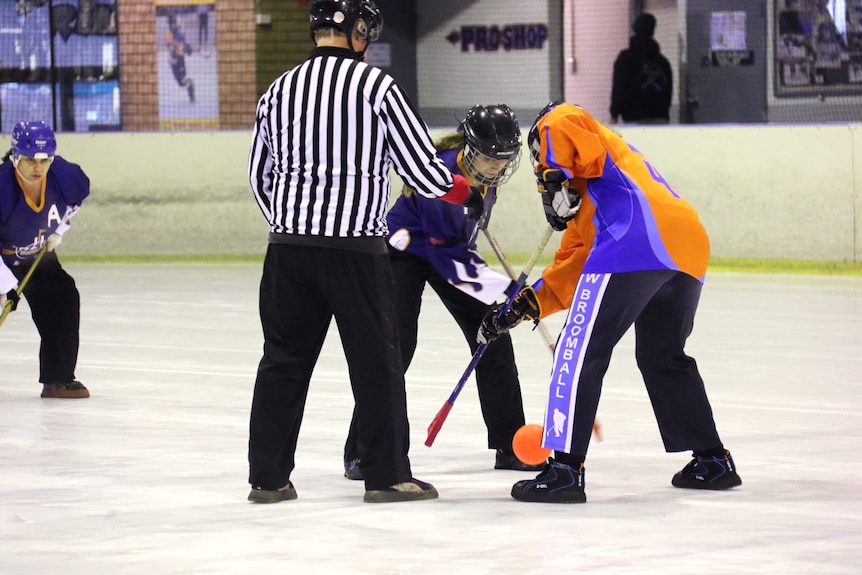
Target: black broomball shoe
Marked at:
557, 483
508, 460
716, 473
351, 469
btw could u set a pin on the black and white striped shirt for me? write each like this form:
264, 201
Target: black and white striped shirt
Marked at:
326, 135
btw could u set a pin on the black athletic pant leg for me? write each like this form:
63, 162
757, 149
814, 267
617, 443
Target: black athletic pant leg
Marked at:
295, 317
361, 290
303, 287
674, 384
496, 373
55, 306
409, 274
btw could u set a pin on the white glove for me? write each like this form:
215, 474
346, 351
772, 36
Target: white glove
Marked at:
558, 200
8, 281
53, 241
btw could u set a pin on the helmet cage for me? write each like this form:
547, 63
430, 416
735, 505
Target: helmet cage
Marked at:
486, 170
492, 147
534, 143
370, 22
33, 140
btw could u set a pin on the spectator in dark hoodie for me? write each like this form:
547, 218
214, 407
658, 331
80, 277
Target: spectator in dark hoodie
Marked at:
643, 79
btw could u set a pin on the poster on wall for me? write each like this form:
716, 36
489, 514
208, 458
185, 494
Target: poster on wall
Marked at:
187, 65
727, 41
818, 47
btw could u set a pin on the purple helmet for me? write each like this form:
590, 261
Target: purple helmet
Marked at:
33, 140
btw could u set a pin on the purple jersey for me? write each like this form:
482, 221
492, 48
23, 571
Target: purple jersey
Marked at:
425, 218
443, 234
24, 228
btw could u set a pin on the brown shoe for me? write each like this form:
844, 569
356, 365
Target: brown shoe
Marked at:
71, 390
411, 490
259, 495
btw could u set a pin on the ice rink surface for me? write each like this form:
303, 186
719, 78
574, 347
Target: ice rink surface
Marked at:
149, 475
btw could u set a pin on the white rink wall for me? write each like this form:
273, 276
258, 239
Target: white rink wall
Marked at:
774, 192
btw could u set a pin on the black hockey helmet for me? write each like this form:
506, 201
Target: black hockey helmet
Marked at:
492, 136
361, 16
533, 142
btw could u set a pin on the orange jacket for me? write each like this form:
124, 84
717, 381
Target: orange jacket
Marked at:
629, 220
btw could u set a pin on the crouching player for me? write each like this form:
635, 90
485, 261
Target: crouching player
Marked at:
39, 193
632, 253
434, 243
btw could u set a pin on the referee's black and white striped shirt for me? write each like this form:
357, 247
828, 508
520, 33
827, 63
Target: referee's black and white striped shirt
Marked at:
326, 135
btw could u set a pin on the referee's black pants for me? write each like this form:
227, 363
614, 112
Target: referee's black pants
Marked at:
496, 373
301, 290
55, 306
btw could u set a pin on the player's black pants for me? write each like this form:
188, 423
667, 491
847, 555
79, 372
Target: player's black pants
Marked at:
661, 305
301, 290
55, 306
496, 373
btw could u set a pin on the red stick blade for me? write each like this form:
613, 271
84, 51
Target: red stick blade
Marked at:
437, 423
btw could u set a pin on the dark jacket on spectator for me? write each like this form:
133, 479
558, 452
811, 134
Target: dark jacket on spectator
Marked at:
643, 79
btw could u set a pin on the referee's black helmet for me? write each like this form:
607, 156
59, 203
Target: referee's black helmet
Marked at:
348, 16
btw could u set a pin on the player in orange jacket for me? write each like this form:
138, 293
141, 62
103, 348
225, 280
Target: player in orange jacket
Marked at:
633, 252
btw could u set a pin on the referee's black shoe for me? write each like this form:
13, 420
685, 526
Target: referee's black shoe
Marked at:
410, 490
260, 495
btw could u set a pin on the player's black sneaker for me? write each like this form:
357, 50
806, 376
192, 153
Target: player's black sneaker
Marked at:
715, 473
286, 493
508, 460
410, 490
351, 469
557, 483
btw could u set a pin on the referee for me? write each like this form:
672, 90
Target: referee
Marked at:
326, 134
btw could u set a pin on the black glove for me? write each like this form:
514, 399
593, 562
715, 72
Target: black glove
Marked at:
560, 206
13, 297
524, 306
475, 204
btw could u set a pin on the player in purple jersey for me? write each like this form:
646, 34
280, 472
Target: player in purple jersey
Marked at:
39, 194
434, 243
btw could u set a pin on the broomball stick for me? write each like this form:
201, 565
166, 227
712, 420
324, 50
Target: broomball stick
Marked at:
440, 418
543, 329
498, 251
7, 309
